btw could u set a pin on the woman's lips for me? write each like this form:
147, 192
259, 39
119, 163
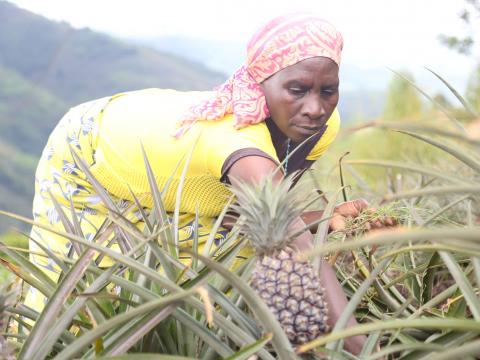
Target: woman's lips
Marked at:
305, 129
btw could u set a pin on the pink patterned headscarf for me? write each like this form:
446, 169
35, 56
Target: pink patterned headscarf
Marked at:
282, 42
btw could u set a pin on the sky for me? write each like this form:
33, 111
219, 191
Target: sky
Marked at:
398, 34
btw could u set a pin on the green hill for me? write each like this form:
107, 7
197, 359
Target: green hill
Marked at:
27, 111
27, 114
48, 66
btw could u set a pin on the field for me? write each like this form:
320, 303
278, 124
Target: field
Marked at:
414, 288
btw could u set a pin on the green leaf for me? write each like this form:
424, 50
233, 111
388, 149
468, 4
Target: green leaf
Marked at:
476, 266
426, 323
65, 319
144, 215
165, 306
178, 198
99, 189
467, 236
449, 340
470, 297
49, 314
444, 209
411, 167
428, 129
385, 351
235, 312
207, 249
249, 350
462, 156
234, 332
145, 356
436, 103
27, 271
429, 277
441, 190
129, 334
354, 301
461, 352
161, 215
370, 344
465, 104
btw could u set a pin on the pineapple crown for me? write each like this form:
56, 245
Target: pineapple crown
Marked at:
267, 209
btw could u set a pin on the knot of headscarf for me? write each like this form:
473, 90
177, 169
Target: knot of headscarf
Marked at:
282, 42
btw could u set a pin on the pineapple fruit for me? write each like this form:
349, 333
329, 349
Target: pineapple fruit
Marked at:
289, 286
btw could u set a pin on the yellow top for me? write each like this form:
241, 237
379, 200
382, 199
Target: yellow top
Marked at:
107, 134
149, 117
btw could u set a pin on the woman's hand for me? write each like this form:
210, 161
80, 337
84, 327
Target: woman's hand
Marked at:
353, 209
345, 211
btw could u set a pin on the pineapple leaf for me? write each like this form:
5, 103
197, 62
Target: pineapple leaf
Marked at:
465, 104
441, 190
28, 268
218, 222
167, 305
267, 210
145, 356
176, 212
464, 236
249, 350
411, 167
161, 215
65, 319
436, 103
413, 127
426, 323
471, 298
462, 156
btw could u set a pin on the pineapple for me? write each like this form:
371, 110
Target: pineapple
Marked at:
289, 286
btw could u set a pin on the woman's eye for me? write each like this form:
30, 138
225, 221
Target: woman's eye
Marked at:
296, 91
329, 92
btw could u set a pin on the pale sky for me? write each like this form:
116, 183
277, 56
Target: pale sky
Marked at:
377, 33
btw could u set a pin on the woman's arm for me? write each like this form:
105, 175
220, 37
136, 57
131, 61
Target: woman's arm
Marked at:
253, 169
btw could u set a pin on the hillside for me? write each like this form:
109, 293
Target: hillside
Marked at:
46, 67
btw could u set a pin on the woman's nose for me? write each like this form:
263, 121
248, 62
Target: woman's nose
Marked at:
313, 107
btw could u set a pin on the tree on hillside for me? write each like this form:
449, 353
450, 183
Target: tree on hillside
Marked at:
470, 16
403, 101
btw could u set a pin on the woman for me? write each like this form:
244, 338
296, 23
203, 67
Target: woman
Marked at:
285, 94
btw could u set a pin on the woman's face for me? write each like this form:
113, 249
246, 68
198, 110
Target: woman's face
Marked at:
302, 97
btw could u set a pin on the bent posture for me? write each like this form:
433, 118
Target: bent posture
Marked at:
284, 95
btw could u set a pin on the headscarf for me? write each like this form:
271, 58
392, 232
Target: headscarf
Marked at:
282, 42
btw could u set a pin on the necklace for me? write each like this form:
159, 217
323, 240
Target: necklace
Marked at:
285, 161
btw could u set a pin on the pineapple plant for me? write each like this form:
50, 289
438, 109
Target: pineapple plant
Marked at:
289, 286
7, 299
